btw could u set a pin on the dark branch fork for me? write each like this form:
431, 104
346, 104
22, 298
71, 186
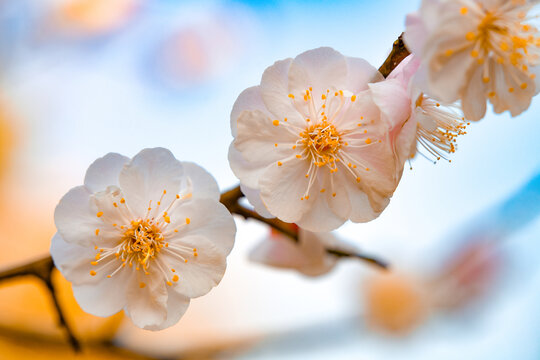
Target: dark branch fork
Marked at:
42, 268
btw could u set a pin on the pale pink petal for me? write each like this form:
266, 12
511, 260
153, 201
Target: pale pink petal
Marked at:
393, 101
359, 74
147, 176
474, 96
405, 71
104, 172
415, 33
395, 106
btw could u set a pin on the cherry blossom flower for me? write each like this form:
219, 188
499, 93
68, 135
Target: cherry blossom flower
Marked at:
144, 235
438, 124
477, 50
308, 256
318, 143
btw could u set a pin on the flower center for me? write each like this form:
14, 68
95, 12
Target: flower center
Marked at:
143, 239
322, 142
503, 36
141, 242
438, 135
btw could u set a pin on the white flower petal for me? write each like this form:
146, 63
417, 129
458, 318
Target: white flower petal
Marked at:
98, 294
254, 198
106, 297
200, 273
104, 172
474, 97
75, 217
203, 184
319, 217
517, 100
416, 34
208, 219
275, 92
177, 306
146, 305
249, 99
261, 144
72, 260
359, 74
282, 188
361, 206
319, 69
313, 245
337, 200
147, 176
248, 172
112, 211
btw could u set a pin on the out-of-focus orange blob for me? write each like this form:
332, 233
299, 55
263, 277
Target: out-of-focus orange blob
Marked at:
95, 16
395, 303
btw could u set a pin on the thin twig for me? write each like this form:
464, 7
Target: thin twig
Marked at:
231, 200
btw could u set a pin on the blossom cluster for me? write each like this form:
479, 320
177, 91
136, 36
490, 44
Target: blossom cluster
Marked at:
322, 139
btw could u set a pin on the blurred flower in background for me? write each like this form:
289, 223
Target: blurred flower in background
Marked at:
201, 46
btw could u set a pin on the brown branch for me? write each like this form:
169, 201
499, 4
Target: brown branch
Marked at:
42, 268
398, 53
231, 200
